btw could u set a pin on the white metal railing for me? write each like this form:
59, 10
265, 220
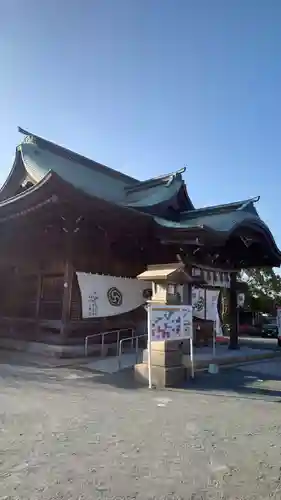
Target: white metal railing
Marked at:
132, 340
102, 335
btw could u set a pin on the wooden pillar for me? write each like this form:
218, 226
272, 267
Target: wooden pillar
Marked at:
190, 294
233, 342
187, 299
221, 309
67, 287
187, 294
67, 294
38, 301
39, 293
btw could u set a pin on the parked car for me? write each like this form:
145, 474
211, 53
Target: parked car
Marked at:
249, 330
270, 328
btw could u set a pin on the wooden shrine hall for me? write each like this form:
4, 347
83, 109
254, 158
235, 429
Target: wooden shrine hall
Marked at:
68, 223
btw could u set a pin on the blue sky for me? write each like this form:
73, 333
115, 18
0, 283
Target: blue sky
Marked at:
148, 86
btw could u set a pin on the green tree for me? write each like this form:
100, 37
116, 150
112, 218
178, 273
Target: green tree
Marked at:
264, 289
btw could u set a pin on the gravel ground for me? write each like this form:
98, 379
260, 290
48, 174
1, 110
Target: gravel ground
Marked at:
69, 434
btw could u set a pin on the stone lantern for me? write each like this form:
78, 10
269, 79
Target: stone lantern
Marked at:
171, 285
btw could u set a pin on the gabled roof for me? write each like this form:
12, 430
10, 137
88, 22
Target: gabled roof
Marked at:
169, 273
222, 218
221, 222
37, 157
75, 157
51, 169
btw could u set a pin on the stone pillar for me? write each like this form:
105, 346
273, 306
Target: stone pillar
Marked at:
167, 369
166, 355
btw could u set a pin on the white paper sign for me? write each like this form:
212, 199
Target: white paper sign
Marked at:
109, 295
187, 321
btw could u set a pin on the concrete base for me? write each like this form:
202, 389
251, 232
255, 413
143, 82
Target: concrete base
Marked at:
161, 376
163, 358
166, 364
213, 369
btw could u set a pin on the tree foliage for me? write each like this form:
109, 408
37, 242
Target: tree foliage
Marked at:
264, 289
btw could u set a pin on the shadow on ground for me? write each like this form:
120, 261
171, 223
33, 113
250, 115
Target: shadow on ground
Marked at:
233, 382
29, 368
229, 382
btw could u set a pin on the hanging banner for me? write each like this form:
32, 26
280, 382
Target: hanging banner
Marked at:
240, 299
198, 302
170, 322
205, 303
109, 295
212, 304
104, 296
219, 331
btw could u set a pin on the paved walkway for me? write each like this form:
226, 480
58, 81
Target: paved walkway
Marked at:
202, 357
224, 355
68, 434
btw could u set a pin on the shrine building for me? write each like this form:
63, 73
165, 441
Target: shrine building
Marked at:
75, 234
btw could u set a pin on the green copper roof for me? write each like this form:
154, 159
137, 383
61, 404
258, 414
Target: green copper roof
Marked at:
98, 183
38, 162
153, 195
165, 199
221, 218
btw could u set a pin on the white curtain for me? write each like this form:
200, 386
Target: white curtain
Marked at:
205, 303
109, 295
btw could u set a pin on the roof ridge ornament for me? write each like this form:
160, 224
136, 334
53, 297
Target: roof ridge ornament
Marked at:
165, 179
29, 139
174, 175
249, 202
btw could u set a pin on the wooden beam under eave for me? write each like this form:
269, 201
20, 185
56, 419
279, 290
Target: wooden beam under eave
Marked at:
195, 242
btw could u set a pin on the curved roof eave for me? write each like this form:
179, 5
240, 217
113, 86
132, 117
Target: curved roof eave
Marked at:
52, 188
30, 199
219, 209
259, 226
171, 192
28, 193
156, 196
165, 179
251, 222
14, 178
